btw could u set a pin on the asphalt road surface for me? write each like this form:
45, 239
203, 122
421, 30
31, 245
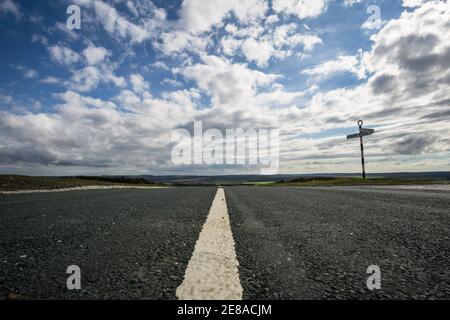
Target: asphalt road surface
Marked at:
129, 244
296, 243
290, 243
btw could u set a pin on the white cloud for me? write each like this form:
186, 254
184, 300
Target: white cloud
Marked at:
51, 80
200, 16
6, 99
132, 8
173, 82
121, 28
308, 41
160, 65
349, 3
230, 45
300, 8
89, 77
39, 38
259, 52
412, 3
250, 10
326, 69
114, 23
10, 7
227, 83
177, 41
85, 79
90, 134
63, 55
71, 35
28, 73
95, 55
129, 100
259, 45
95, 69
138, 83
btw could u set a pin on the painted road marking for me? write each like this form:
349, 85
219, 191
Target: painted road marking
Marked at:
212, 272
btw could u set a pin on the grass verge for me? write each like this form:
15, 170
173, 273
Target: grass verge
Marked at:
352, 181
18, 183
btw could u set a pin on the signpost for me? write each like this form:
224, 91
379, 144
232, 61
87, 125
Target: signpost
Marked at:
363, 132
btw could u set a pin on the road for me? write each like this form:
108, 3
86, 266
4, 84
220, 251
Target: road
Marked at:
290, 243
317, 243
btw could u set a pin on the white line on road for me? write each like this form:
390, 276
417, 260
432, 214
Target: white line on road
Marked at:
212, 272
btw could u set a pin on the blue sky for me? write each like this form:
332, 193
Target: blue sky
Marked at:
106, 98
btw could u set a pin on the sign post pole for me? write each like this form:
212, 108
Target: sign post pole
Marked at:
361, 134
361, 139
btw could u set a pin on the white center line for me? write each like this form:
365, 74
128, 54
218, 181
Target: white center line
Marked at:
212, 272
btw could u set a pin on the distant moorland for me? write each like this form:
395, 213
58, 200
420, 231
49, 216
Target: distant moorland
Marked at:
18, 182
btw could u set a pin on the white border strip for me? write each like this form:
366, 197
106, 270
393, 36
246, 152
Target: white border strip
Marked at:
212, 272
80, 189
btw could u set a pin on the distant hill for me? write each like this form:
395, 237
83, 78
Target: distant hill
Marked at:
242, 179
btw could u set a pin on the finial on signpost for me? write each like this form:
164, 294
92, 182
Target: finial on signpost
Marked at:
362, 133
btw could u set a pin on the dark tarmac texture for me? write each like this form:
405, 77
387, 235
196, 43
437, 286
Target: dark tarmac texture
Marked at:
306, 243
129, 244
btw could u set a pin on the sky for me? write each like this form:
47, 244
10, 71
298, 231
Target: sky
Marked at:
106, 99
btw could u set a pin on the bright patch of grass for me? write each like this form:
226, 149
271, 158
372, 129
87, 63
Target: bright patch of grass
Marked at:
352, 181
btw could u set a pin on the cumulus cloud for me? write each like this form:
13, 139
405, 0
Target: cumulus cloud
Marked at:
260, 46
95, 55
349, 3
87, 73
412, 3
350, 64
200, 16
227, 83
259, 52
300, 8
63, 55
406, 67
6, 99
99, 134
120, 27
138, 83
411, 53
28, 73
413, 144
88, 78
10, 7
177, 41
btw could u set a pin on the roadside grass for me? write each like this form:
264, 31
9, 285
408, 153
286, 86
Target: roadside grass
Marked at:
352, 181
18, 183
